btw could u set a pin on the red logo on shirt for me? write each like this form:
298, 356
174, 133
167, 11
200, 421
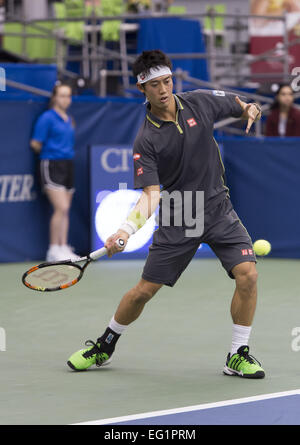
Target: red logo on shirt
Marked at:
191, 122
139, 171
136, 156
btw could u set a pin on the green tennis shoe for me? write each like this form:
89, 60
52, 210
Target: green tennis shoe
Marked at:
243, 365
84, 358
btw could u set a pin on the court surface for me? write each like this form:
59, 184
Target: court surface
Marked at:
167, 368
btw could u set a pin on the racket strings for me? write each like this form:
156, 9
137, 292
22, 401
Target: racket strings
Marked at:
101, 356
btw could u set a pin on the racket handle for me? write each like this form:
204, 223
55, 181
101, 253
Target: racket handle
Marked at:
103, 251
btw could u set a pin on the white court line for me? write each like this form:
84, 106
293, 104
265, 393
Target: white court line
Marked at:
114, 420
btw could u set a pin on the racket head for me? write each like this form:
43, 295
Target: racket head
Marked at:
47, 277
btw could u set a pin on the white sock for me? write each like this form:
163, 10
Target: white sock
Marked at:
117, 327
240, 337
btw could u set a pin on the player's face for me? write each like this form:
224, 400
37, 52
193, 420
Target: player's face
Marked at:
63, 97
159, 91
285, 96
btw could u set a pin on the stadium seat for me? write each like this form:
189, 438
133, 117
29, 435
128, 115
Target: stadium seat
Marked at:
219, 31
32, 47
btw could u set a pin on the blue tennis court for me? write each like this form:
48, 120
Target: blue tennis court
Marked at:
269, 409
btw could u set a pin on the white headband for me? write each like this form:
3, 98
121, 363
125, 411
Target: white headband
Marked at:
153, 73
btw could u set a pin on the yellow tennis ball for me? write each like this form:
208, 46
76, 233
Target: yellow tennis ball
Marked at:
262, 247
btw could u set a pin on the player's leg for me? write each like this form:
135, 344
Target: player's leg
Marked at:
243, 305
239, 361
233, 246
245, 295
165, 263
130, 308
133, 302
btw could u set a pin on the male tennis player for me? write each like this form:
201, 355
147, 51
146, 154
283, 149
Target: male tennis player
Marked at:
175, 148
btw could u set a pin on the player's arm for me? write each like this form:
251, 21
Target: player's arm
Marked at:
143, 209
251, 112
36, 146
217, 105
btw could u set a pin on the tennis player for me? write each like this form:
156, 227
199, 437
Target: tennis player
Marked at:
175, 149
53, 141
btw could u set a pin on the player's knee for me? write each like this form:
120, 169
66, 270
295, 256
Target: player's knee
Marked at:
246, 276
251, 280
143, 293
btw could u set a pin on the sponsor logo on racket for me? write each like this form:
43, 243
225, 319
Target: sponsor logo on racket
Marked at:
53, 276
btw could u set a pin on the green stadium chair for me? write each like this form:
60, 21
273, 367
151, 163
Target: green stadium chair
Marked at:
110, 30
218, 21
32, 47
69, 9
219, 29
176, 9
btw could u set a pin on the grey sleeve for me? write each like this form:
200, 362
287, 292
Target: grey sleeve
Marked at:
145, 165
218, 104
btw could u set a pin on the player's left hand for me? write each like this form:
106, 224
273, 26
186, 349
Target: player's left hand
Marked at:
251, 112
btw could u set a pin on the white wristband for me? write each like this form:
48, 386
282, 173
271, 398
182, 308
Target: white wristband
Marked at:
129, 227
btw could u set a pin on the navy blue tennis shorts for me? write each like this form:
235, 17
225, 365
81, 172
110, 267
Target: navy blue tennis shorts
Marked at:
171, 251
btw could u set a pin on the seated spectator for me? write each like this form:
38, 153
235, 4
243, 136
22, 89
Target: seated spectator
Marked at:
135, 6
284, 118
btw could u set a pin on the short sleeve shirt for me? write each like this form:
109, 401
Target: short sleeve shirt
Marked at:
184, 155
56, 136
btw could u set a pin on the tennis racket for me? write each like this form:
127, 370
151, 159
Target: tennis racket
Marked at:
60, 275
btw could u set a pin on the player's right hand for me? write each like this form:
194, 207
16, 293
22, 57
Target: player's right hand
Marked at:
111, 245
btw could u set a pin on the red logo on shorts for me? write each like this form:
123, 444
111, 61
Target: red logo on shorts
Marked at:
244, 251
250, 252
139, 171
191, 122
136, 156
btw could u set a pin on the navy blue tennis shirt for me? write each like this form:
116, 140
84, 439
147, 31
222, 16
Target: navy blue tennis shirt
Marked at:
56, 135
183, 155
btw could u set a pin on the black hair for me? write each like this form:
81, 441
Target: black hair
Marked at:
150, 59
276, 104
